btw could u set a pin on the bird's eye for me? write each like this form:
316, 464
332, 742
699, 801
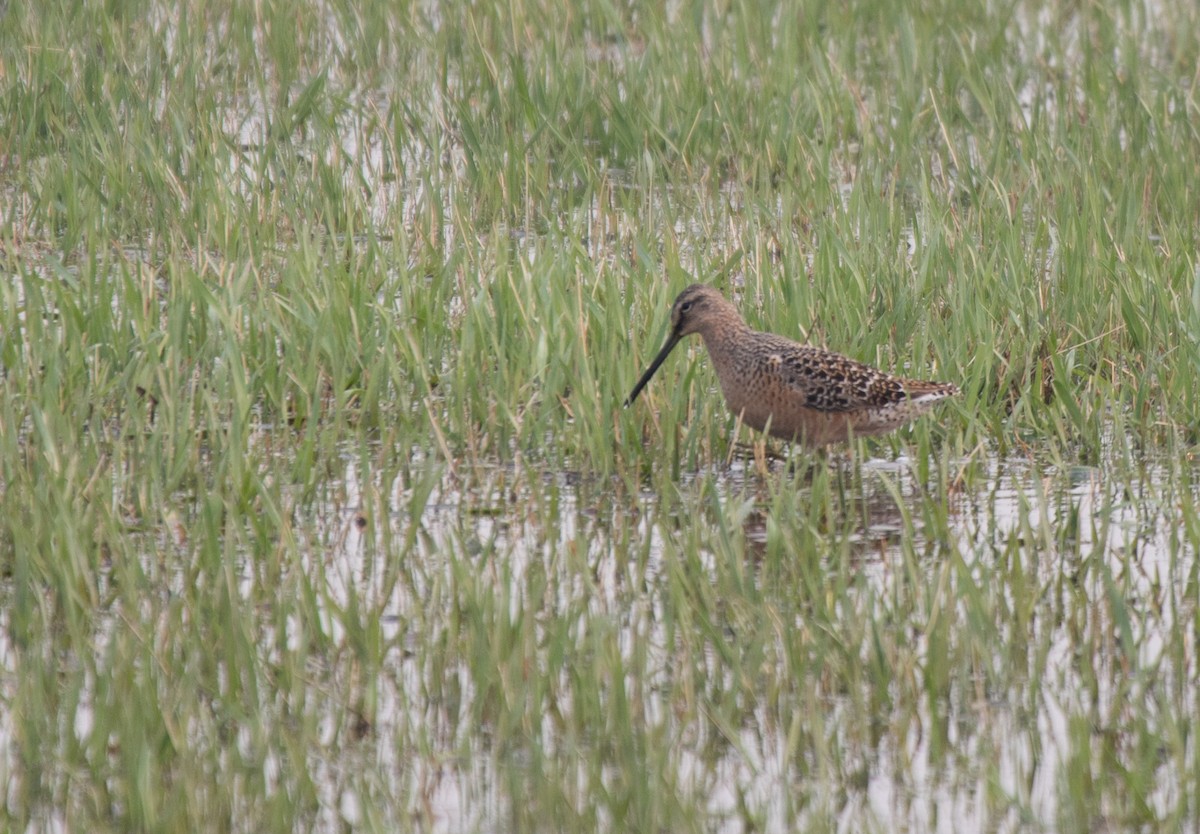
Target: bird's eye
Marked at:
685, 307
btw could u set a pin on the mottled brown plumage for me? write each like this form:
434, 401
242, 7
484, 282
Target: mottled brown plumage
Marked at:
798, 393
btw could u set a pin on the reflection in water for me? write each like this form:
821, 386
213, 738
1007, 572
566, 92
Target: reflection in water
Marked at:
1007, 653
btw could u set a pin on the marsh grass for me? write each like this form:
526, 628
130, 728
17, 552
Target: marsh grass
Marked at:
320, 509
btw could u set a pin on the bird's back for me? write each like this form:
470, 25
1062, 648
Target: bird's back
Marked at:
814, 395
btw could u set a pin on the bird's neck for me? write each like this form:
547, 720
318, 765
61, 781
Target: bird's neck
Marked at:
723, 335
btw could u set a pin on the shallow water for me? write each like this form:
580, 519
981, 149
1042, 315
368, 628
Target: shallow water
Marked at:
992, 752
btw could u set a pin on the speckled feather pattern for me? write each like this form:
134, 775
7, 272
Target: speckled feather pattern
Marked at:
794, 391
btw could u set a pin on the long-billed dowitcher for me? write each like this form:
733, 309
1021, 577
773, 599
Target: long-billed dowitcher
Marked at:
796, 392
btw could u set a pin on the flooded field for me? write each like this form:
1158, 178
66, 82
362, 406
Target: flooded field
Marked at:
1045, 638
320, 509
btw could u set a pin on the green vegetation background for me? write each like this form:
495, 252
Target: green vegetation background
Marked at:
316, 323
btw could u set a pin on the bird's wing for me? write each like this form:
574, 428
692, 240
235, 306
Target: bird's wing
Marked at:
828, 381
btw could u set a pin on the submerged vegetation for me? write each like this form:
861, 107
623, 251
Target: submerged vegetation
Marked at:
319, 509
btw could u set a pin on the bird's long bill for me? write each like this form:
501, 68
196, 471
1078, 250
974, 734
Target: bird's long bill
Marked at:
672, 340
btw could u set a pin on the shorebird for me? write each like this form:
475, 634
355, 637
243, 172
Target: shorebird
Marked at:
795, 392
